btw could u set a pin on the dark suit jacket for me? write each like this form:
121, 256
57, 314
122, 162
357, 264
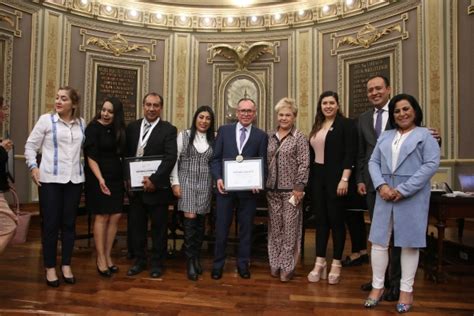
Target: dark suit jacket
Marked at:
366, 145
225, 147
162, 141
340, 151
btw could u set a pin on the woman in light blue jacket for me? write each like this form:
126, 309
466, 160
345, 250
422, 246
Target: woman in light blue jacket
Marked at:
401, 166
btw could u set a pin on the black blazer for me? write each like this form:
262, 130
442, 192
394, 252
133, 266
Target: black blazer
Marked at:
340, 151
162, 141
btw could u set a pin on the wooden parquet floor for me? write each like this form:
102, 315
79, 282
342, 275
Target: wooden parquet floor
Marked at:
23, 290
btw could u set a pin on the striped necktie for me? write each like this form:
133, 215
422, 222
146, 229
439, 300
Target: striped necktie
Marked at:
146, 129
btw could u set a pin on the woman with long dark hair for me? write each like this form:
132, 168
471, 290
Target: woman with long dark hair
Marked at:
333, 140
192, 183
103, 149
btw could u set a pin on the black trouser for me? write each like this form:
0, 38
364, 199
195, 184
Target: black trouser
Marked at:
356, 225
58, 207
138, 216
329, 210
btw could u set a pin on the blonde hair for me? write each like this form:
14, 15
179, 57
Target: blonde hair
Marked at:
288, 103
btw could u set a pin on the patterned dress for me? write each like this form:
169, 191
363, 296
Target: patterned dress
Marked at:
195, 178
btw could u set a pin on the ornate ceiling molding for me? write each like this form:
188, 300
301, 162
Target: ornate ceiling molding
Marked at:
217, 19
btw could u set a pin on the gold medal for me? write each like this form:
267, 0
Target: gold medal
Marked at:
239, 158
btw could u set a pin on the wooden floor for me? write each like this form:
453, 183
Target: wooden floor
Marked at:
23, 290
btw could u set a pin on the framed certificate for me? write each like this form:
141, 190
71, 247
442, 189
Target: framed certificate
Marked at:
139, 167
244, 175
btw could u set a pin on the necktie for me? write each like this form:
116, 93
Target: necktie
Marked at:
242, 137
378, 123
146, 129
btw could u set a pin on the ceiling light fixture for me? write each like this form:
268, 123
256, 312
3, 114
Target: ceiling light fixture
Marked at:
158, 15
301, 12
230, 20
183, 18
326, 8
253, 19
133, 12
349, 2
277, 16
84, 2
108, 8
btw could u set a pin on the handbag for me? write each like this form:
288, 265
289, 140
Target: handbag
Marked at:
23, 221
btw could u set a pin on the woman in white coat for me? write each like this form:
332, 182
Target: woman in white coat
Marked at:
401, 166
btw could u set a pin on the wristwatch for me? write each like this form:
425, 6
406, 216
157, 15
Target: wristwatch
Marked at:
345, 179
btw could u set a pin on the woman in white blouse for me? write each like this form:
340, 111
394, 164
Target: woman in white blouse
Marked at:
58, 136
192, 183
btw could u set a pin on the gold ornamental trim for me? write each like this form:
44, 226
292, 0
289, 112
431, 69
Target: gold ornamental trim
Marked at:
10, 21
470, 8
242, 54
368, 35
118, 45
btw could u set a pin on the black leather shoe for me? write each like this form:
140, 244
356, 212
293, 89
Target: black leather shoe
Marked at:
244, 272
197, 265
349, 262
54, 283
366, 287
114, 269
156, 272
393, 294
71, 280
365, 258
191, 270
216, 274
106, 273
136, 269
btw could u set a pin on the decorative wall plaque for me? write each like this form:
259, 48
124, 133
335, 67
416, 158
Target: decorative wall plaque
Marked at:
121, 83
359, 74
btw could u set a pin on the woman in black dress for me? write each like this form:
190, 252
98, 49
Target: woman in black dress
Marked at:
103, 149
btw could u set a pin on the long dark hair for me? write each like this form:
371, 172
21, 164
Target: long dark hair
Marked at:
210, 134
118, 122
319, 118
414, 104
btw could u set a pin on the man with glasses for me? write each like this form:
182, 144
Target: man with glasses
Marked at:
236, 141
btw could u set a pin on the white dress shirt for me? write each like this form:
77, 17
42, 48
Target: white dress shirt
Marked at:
397, 143
199, 142
60, 144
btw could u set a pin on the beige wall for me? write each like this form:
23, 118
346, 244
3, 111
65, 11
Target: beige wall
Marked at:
304, 68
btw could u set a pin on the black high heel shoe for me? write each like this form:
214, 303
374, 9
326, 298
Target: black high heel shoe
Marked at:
54, 283
71, 280
114, 269
106, 273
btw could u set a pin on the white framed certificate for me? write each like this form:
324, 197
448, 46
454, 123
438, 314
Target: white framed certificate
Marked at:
244, 175
139, 167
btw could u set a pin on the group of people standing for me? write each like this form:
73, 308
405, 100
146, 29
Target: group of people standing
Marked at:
341, 157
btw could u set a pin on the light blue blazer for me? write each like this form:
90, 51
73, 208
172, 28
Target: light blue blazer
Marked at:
418, 161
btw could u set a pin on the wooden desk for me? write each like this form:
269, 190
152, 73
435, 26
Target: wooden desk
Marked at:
443, 208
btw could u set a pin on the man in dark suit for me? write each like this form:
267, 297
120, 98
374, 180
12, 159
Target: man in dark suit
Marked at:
371, 124
151, 136
236, 141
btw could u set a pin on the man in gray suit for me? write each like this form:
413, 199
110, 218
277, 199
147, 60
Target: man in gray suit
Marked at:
370, 125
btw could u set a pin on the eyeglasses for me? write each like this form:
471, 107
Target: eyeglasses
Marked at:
246, 111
